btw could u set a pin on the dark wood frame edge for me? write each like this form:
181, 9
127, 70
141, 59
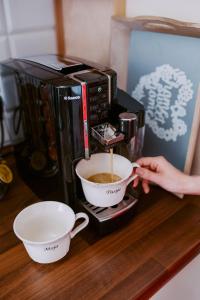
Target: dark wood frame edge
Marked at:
160, 24
58, 8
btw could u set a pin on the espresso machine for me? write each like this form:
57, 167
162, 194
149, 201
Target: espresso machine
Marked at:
68, 109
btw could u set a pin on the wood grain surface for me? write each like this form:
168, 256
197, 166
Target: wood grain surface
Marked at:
131, 263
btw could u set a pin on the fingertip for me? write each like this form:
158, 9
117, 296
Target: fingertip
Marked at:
145, 185
147, 190
135, 182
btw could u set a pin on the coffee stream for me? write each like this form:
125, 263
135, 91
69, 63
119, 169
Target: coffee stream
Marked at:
111, 164
106, 177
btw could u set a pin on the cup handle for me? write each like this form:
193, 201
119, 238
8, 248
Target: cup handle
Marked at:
132, 177
82, 225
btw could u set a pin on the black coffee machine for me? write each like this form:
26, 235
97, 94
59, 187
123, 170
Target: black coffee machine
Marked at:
69, 109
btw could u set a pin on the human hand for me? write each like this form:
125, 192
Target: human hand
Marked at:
159, 171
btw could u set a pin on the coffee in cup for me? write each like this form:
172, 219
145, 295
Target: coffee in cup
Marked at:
104, 178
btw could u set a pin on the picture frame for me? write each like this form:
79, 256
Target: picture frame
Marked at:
157, 62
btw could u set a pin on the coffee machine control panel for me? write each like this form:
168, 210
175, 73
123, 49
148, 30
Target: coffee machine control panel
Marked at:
98, 103
98, 91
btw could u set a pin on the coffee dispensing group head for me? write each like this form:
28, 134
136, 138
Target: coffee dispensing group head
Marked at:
123, 137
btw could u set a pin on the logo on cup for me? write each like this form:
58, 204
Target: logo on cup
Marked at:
113, 191
51, 248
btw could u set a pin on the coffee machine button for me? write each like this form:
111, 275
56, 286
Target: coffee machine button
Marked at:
104, 95
98, 89
101, 100
104, 114
93, 108
94, 118
104, 105
93, 99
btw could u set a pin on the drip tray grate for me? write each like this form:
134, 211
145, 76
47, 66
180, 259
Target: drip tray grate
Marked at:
106, 213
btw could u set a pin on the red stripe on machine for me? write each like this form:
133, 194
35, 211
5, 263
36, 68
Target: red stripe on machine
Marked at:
85, 116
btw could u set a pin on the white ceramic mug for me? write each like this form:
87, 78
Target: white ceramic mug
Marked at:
46, 229
105, 194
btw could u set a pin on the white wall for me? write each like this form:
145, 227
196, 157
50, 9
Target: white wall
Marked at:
87, 25
188, 10
27, 27
184, 286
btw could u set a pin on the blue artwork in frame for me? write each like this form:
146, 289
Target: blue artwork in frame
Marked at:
164, 75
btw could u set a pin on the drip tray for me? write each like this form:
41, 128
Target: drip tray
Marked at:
106, 213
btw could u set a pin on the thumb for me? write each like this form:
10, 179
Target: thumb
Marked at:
147, 174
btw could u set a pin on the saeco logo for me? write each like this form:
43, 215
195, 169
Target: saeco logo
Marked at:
71, 98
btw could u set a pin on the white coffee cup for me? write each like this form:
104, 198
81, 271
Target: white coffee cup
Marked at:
105, 194
46, 229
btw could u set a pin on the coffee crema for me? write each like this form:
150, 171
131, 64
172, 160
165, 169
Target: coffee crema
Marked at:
104, 178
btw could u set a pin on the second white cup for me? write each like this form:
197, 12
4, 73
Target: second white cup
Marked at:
46, 229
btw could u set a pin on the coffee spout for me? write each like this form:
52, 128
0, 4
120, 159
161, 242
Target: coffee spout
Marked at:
107, 135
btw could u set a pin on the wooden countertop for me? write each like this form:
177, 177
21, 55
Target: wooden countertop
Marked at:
131, 263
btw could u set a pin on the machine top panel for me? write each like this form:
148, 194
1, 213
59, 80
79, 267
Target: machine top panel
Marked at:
53, 61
